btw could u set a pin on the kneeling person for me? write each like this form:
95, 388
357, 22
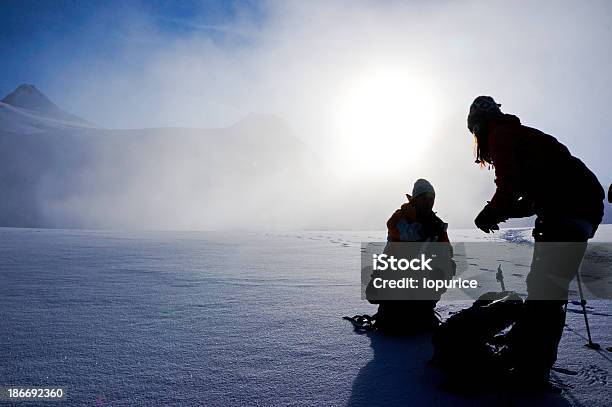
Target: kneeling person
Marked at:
414, 221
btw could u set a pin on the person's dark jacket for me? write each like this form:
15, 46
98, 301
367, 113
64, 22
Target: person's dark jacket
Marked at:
535, 166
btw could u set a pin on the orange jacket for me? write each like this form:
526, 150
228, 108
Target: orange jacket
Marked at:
402, 226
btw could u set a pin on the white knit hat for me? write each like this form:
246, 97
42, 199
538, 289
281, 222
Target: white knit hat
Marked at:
422, 186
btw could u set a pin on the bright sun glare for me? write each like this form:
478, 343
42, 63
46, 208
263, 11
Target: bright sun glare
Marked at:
384, 122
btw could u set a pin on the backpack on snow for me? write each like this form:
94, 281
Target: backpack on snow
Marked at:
466, 342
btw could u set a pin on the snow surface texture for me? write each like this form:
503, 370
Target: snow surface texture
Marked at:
128, 319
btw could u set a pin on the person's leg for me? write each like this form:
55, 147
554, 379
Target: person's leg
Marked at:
557, 255
534, 339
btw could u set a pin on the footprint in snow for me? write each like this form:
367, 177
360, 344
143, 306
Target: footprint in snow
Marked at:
564, 371
578, 303
594, 375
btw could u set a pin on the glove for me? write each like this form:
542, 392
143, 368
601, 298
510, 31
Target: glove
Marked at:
487, 219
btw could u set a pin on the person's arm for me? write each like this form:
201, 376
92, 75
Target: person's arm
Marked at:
444, 237
452, 264
502, 148
393, 233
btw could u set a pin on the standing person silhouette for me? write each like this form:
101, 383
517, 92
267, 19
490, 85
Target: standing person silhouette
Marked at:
536, 175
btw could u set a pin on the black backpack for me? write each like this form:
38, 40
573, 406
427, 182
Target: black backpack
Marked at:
466, 342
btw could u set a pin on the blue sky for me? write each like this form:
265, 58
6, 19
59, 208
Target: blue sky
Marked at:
39, 39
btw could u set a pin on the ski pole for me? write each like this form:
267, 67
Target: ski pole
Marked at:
583, 302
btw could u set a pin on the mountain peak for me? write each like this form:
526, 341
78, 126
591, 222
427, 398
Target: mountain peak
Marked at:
27, 96
30, 99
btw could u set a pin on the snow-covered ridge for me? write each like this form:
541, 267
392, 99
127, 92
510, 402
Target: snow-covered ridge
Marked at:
27, 110
23, 121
